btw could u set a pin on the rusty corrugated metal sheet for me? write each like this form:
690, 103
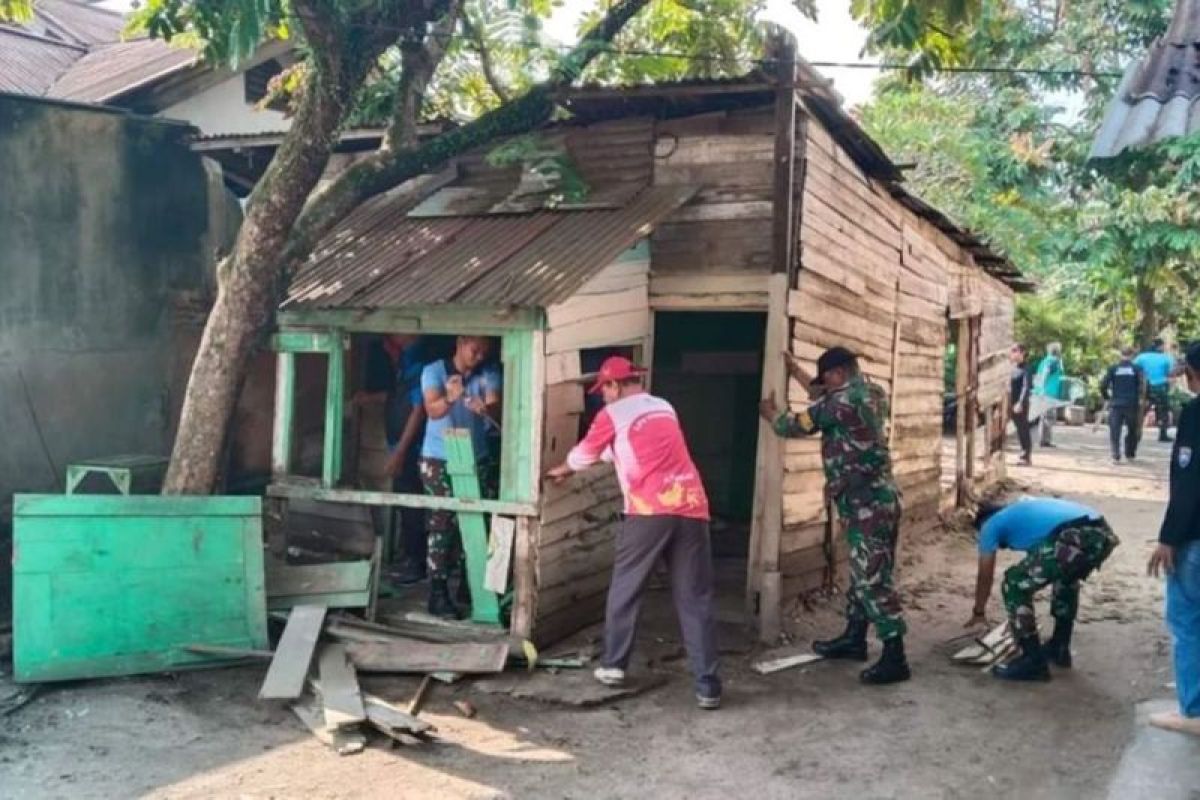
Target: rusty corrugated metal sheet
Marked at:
109, 71
1158, 97
79, 22
382, 258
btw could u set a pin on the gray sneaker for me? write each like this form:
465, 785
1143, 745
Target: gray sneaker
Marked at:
610, 676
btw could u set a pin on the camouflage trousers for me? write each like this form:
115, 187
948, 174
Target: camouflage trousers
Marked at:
1063, 560
872, 528
444, 546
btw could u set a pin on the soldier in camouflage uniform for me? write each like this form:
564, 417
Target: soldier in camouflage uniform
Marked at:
1063, 543
850, 413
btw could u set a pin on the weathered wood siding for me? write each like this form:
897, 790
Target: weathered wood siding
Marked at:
851, 236
726, 229
572, 539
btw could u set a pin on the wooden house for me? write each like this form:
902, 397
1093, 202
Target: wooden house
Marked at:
726, 221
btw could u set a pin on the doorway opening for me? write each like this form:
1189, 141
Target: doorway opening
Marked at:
709, 365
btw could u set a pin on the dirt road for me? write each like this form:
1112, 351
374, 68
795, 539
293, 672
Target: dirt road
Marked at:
951, 732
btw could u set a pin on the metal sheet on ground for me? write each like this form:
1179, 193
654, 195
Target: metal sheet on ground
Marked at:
293, 656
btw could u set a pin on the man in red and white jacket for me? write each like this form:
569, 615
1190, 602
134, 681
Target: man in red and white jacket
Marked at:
666, 516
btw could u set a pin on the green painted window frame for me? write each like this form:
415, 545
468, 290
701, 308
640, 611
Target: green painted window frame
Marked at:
329, 332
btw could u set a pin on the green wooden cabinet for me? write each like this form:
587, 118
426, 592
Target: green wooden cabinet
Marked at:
116, 585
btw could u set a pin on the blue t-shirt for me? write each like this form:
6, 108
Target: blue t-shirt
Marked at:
478, 385
1156, 365
1024, 524
1050, 377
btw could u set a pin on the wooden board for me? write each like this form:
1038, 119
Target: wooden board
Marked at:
343, 742
340, 584
107, 585
390, 719
293, 657
412, 655
340, 695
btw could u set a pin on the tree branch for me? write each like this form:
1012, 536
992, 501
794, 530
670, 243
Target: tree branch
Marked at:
485, 58
419, 62
389, 168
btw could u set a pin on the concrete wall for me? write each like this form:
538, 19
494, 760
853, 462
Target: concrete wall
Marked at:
104, 233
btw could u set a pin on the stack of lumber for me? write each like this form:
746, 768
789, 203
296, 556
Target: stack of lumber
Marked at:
316, 664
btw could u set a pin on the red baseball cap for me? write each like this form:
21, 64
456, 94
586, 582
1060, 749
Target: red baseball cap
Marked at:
615, 368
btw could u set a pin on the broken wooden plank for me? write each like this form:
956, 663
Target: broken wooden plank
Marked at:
418, 701
410, 655
340, 694
293, 655
382, 714
499, 554
221, 651
344, 742
786, 662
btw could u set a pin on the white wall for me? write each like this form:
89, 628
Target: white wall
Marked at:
224, 110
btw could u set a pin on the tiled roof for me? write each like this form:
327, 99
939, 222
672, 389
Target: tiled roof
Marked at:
1158, 97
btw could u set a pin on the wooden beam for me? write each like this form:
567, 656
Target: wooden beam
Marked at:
763, 580
307, 489
461, 466
335, 398
285, 407
783, 220
442, 319
340, 695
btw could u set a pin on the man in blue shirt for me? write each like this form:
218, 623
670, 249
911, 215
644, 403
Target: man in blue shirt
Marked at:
1063, 542
459, 392
1048, 385
1159, 367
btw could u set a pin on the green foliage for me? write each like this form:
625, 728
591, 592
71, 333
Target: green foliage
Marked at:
228, 30
547, 162
934, 33
1086, 336
16, 10
998, 152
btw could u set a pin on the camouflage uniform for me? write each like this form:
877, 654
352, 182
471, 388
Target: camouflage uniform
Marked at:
1063, 559
444, 544
858, 479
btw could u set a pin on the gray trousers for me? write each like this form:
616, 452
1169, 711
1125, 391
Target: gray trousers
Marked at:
683, 545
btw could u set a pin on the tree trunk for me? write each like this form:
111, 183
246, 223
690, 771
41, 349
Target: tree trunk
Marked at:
248, 287
1147, 303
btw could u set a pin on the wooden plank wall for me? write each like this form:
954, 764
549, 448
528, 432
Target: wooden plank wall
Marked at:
726, 228
572, 538
851, 235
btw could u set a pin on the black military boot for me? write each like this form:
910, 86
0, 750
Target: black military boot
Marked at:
852, 644
440, 602
1029, 666
1058, 649
892, 666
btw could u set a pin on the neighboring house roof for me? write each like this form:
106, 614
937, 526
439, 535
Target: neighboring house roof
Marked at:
111, 70
1157, 98
71, 50
29, 63
380, 257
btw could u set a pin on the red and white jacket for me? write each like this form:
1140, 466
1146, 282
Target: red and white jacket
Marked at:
640, 434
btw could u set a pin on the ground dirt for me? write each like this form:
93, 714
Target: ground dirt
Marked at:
811, 732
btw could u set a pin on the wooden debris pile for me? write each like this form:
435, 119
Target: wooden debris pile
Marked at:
316, 664
995, 647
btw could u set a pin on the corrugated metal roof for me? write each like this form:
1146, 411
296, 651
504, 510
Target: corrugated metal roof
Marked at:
78, 22
379, 257
30, 63
109, 71
1158, 97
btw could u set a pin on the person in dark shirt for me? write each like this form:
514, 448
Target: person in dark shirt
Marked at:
1020, 388
393, 377
1124, 387
1178, 554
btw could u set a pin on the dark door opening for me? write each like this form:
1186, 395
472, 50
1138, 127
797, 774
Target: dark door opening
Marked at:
709, 366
